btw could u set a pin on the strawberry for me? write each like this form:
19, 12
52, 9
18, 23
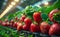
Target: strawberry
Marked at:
54, 14
19, 27
27, 21
25, 27
37, 17
44, 27
34, 28
55, 29
22, 18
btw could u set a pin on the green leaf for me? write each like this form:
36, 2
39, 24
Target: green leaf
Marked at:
11, 16
44, 16
56, 4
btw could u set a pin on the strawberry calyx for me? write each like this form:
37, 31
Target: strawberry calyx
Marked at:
35, 23
56, 17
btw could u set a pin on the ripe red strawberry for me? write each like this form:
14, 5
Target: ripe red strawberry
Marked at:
7, 23
44, 27
37, 17
19, 27
4, 24
11, 23
34, 28
27, 21
22, 18
55, 29
15, 24
25, 27
54, 14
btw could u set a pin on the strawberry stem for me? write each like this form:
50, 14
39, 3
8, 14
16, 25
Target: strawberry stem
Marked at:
47, 20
